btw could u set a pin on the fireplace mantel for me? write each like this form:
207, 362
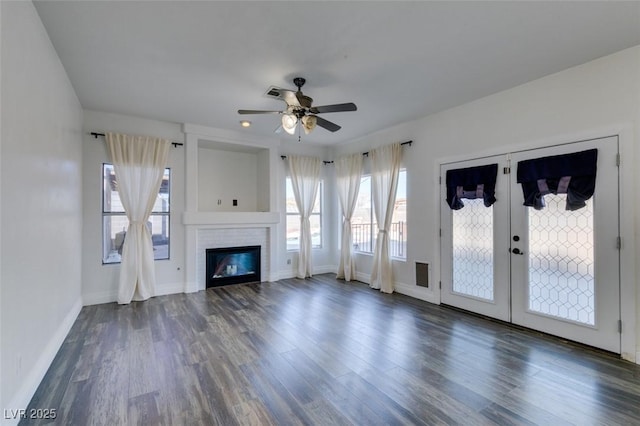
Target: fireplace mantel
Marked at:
230, 219
211, 229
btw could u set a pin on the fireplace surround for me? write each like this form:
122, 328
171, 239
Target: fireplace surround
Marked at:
232, 265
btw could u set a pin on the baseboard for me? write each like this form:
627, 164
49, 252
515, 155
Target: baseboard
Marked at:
170, 288
98, 298
362, 277
284, 275
327, 269
317, 270
30, 385
414, 291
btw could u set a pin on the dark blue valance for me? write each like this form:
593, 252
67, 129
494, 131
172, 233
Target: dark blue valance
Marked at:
471, 183
571, 174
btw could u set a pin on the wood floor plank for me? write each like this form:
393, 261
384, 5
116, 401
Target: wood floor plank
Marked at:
214, 395
322, 351
50, 394
143, 410
253, 413
356, 411
109, 398
385, 407
181, 397
75, 408
276, 399
87, 361
143, 378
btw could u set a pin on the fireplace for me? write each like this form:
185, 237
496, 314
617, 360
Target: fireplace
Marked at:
232, 265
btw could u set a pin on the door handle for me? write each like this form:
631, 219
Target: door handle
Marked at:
517, 251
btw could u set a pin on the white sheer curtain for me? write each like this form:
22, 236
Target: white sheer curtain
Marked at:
385, 165
139, 163
305, 179
348, 175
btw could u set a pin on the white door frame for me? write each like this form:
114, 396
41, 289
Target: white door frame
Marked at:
625, 133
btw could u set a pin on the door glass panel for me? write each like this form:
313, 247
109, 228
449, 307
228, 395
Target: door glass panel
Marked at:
561, 261
473, 250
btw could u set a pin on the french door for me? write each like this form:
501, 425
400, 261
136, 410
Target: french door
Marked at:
552, 270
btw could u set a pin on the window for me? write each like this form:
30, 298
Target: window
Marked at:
293, 219
115, 222
364, 228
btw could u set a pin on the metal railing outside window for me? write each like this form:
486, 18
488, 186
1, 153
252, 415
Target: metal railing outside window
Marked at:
364, 238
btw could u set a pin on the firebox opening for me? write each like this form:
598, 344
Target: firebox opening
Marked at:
232, 265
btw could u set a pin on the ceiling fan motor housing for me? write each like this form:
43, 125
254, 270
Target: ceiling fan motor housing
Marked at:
305, 101
299, 82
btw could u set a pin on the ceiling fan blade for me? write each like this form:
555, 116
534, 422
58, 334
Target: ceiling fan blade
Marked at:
279, 130
257, 111
332, 127
334, 108
289, 96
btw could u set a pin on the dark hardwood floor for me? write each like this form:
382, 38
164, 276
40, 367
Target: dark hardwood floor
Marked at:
321, 351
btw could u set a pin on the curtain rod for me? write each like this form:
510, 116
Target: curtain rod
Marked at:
284, 157
366, 154
96, 134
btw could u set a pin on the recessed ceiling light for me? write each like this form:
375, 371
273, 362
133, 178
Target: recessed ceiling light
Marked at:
245, 123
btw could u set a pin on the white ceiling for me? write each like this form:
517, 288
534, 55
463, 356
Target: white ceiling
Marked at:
199, 62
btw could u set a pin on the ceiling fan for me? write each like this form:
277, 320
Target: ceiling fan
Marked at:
299, 110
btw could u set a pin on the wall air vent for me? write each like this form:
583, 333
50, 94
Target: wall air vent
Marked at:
422, 274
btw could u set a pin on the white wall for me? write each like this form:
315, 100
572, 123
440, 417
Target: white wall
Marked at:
41, 204
594, 99
264, 182
225, 176
1, 109
100, 282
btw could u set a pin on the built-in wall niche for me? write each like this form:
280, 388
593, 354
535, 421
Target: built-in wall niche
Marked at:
232, 178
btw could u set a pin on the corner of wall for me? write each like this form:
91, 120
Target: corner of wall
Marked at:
1, 108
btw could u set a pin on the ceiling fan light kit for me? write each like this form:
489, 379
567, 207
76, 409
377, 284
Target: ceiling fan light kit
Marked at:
289, 122
309, 123
300, 109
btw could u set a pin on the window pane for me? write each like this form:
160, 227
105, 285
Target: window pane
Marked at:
293, 232
161, 204
316, 232
561, 261
473, 249
115, 230
398, 231
363, 221
290, 199
318, 204
111, 202
293, 220
160, 235
364, 228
